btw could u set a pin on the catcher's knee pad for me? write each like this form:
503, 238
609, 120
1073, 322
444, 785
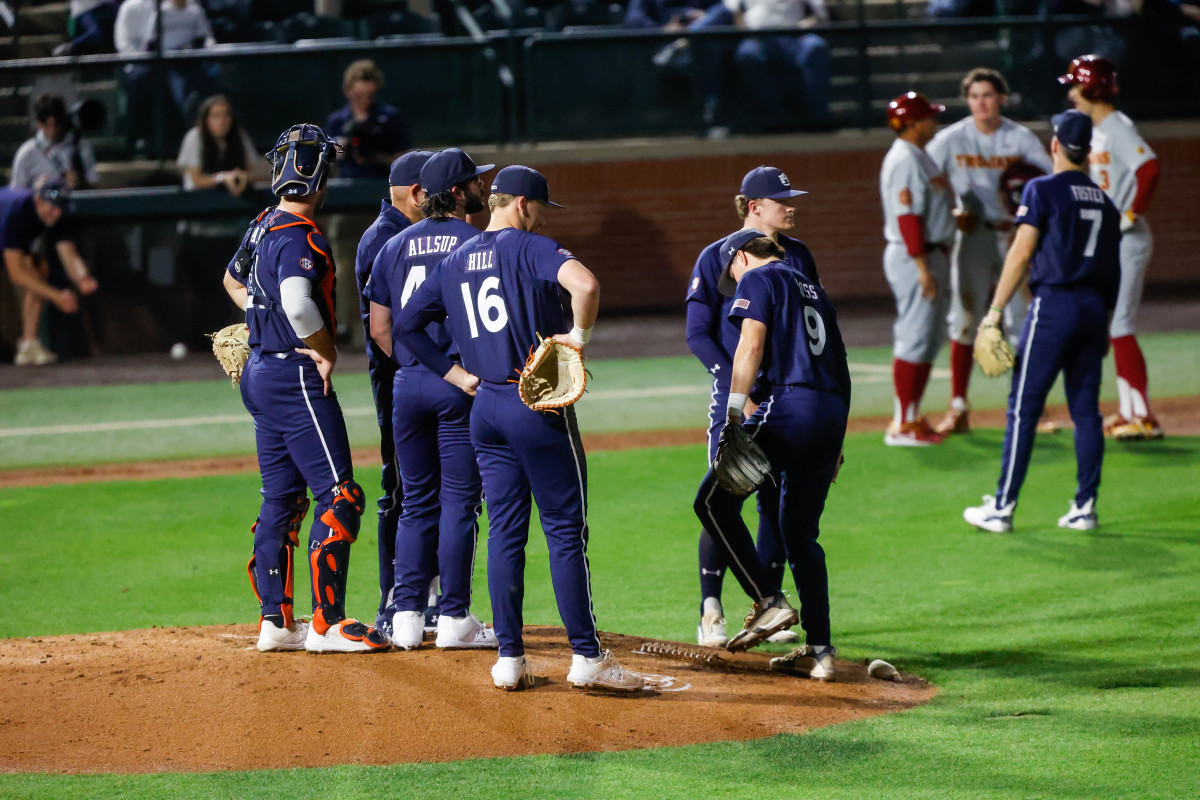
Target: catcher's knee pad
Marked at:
345, 511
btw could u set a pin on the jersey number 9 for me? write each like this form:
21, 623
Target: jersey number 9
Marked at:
815, 326
492, 312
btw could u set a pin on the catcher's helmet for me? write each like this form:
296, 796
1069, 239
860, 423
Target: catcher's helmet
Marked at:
1013, 180
1097, 76
909, 108
300, 160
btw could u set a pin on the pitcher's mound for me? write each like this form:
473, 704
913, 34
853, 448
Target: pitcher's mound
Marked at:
184, 699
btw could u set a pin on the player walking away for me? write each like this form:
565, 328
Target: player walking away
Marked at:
27, 217
974, 152
1070, 232
1125, 167
764, 203
439, 526
789, 335
399, 210
918, 225
284, 279
497, 292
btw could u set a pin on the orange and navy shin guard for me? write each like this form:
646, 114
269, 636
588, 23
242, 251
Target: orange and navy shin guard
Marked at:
329, 559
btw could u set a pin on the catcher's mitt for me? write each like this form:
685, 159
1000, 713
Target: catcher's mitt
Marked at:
231, 346
992, 350
553, 377
740, 465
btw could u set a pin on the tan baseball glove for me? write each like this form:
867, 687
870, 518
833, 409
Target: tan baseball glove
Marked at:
992, 350
554, 376
741, 465
231, 346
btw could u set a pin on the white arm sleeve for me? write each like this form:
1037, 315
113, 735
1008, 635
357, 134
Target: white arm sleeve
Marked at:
302, 312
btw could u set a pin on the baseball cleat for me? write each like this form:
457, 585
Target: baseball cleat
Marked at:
1080, 518
605, 673
711, 630
32, 353
272, 638
431, 618
464, 633
989, 517
764, 619
1137, 429
917, 433
1112, 422
955, 421
408, 629
784, 637
1048, 426
511, 673
808, 662
347, 636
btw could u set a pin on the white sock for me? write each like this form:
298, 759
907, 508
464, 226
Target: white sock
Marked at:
713, 606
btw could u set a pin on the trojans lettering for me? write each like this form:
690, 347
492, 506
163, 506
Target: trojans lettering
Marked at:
984, 162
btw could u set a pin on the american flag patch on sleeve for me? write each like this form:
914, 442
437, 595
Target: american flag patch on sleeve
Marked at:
743, 303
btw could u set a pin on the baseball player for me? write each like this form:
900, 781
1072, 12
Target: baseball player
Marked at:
918, 226
789, 335
974, 152
1070, 232
1125, 167
497, 292
431, 419
284, 279
764, 203
26, 217
397, 212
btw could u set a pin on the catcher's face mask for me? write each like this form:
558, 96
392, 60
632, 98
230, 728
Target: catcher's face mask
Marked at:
300, 161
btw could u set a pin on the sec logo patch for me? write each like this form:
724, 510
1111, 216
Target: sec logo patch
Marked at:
743, 303
905, 197
306, 263
695, 283
1022, 211
562, 251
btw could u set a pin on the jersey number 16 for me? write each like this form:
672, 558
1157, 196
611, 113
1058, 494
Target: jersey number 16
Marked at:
492, 312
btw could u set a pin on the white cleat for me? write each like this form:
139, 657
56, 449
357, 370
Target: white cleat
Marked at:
408, 629
272, 638
464, 633
784, 637
711, 630
512, 673
808, 662
1080, 518
764, 619
989, 517
604, 673
347, 636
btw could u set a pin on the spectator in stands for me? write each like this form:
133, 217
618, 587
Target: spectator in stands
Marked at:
1099, 39
216, 155
91, 28
670, 15
134, 28
56, 150
31, 227
772, 65
373, 134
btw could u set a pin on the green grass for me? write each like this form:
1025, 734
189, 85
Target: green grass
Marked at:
641, 394
1068, 663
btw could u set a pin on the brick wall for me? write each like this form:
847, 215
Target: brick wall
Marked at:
639, 224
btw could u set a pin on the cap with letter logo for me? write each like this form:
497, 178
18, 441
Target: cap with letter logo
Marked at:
1073, 129
726, 285
448, 168
523, 182
768, 182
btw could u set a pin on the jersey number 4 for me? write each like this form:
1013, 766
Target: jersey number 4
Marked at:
492, 312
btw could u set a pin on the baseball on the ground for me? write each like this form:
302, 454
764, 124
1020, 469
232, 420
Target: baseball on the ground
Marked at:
882, 670
179, 351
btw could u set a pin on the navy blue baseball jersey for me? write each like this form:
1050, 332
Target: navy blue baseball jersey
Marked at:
497, 293
19, 222
285, 245
712, 336
389, 222
804, 346
1080, 233
403, 265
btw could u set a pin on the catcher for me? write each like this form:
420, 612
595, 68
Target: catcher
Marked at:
789, 333
1069, 231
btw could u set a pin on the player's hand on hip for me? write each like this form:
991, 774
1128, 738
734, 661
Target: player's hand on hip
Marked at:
66, 301
87, 284
324, 366
929, 287
462, 379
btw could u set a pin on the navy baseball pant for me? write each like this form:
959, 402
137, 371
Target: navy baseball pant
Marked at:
521, 451
442, 493
382, 375
801, 431
1066, 330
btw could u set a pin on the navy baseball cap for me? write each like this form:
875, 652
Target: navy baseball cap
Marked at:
55, 191
726, 285
523, 182
768, 182
448, 168
1073, 129
406, 170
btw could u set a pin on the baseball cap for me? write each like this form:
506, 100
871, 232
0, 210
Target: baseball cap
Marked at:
54, 190
768, 182
448, 168
406, 170
523, 182
726, 285
1073, 129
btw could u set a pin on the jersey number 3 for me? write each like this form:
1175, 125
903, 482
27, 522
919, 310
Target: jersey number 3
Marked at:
492, 312
815, 327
